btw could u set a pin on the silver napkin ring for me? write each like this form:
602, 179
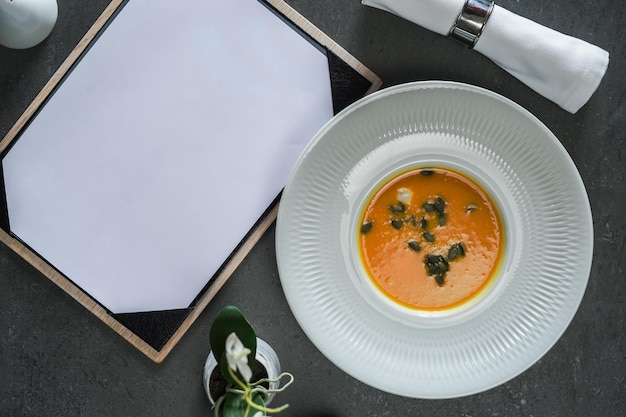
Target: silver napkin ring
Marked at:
471, 21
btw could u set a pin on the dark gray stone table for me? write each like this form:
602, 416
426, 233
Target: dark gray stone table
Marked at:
56, 359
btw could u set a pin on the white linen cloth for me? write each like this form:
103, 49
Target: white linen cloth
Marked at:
561, 68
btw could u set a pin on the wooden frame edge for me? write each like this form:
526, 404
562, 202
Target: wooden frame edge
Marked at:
75, 292
101, 313
326, 41
219, 282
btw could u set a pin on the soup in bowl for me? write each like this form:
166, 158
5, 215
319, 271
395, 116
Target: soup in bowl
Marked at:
430, 239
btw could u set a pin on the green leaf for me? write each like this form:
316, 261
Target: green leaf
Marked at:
235, 406
231, 319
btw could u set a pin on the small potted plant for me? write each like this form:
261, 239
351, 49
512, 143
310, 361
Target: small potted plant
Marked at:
242, 373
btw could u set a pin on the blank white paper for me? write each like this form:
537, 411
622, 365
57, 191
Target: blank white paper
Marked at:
164, 146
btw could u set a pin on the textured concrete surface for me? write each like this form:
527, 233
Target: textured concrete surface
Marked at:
56, 359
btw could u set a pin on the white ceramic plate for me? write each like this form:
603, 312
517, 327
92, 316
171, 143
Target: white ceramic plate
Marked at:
548, 244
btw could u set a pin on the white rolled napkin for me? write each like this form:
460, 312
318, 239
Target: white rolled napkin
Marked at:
561, 68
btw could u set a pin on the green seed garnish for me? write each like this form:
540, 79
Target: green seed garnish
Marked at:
366, 227
397, 224
398, 208
437, 267
455, 251
428, 237
439, 279
415, 246
433, 259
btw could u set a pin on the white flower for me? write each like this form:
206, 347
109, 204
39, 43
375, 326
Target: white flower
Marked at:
237, 356
258, 414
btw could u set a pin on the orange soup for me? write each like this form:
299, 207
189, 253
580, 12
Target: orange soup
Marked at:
430, 239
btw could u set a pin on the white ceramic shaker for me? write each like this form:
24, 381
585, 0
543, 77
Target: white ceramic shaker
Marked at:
25, 23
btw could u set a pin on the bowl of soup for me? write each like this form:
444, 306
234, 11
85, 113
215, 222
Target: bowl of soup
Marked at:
429, 235
434, 240
430, 239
